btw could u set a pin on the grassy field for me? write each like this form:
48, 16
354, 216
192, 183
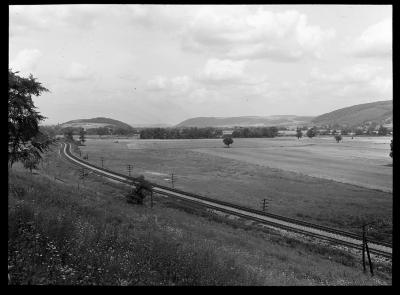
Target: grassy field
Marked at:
318, 180
59, 234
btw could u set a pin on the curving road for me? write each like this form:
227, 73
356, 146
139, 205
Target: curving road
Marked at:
325, 233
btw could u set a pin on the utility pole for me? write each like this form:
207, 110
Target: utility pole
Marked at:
265, 204
129, 169
366, 248
102, 160
172, 179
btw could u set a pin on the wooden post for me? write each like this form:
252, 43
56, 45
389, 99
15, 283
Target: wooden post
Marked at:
172, 180
363, 248
151, 198
129, 169
369, 258
102, 159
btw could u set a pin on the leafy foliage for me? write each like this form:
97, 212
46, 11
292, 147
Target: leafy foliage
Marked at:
311, 132
25, 141
82, 135
382, 130
68, 134
338, 138
299, 134
142, 188
228, 141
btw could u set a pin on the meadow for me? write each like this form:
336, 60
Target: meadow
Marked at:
63, 233
318, 180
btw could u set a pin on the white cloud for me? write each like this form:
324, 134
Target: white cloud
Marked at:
242, 33
27, 18
157, 83
178, 85
375, 41
26, 61
356, 81
77, 72
226, 70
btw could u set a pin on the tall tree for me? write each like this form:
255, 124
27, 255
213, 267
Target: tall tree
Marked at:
299, 134
338, 138
82, 135
228, 141
382, 130
24, 140
311, 132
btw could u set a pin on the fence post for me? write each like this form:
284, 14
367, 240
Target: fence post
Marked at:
363, 247
369, 258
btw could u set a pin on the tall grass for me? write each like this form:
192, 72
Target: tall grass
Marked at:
54, 238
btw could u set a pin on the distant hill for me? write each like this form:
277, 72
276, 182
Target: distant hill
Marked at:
380, 112
96, 123
280, 120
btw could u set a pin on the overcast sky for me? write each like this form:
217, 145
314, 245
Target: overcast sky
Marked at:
146, 64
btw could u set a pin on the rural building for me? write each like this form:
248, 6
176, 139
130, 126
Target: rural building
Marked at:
287, 133
227, 133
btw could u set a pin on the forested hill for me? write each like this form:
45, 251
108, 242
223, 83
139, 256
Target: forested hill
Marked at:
96, 123
380, 112
284, 120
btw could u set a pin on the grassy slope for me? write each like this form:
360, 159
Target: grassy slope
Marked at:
59, 235
358, 114
299, 196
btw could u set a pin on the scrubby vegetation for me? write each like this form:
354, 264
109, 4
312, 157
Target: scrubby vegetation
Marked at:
54, 239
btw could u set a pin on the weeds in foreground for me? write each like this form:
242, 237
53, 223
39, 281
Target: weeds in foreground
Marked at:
54, 240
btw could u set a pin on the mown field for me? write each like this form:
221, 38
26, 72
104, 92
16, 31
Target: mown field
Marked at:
59, 234
317, 180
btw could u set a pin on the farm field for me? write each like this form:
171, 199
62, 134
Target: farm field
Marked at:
317, 180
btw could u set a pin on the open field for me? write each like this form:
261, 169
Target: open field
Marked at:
91, 236
253, 169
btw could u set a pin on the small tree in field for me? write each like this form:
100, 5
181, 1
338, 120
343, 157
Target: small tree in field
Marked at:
299, 134
382, 130
82, 136
141, 190
311, 132
338, 137
228, 141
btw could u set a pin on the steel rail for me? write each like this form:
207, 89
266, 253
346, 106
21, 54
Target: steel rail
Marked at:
326, 233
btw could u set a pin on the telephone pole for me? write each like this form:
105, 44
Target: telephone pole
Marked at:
172, 179
365, 248
265, 204
129, 169
102, 160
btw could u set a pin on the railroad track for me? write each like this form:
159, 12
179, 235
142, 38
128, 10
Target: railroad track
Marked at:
333, 235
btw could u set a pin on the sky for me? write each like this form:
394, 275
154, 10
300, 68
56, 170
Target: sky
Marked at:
162, 64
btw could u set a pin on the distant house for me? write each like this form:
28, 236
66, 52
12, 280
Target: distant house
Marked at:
287, 133
227, 133
136, 135
323, 131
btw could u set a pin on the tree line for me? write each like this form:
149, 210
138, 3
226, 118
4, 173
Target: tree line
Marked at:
205, 132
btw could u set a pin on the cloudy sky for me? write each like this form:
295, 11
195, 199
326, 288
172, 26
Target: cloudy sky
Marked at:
149, 64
